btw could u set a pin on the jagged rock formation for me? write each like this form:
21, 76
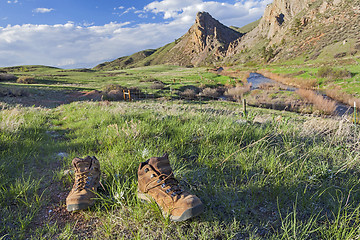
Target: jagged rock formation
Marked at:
207, 41
278, 14
296, 28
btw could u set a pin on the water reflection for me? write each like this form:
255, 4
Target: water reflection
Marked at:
257, 80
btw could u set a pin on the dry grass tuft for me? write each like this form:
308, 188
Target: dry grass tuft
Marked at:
327, 127
325, 105
157, 86
210, 92
26, 80
343, 97
11, 120
189, 93
237, 92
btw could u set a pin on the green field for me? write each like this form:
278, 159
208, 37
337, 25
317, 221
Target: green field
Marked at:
269, 175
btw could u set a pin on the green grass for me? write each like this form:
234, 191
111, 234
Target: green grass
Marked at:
274, 175
309, 71
73, 80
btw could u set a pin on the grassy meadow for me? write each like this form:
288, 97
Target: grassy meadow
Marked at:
265, 175
271, 175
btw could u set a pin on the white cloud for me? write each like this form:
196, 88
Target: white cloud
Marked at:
43, 10
74, 45
69, 45
183, 11
10, 2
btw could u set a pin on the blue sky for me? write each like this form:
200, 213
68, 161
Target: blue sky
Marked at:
84, 33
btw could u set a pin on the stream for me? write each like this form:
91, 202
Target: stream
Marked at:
256, 79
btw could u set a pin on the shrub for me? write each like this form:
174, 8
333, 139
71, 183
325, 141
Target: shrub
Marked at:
7, 77
330, 73
110, 87
210, 92
114, 95
189, 93
341, 96
157, 85
237, 92
26, 80
325, 105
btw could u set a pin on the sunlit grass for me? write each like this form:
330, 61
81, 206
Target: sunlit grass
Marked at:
272, 175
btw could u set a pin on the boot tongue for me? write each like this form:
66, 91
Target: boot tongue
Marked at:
82, 164
161, 164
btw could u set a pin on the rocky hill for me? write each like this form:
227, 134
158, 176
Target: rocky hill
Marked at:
206, 42
289, 29
303, 29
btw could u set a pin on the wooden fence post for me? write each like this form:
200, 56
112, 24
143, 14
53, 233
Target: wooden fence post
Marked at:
355, 115
124, 95
129, 95
244, 108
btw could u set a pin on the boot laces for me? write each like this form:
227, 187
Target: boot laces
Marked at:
82, 181
169, 180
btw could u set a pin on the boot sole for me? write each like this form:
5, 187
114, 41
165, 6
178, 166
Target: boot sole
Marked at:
189, 213
76, 207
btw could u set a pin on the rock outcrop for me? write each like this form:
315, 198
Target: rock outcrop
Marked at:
278, 14
207, 41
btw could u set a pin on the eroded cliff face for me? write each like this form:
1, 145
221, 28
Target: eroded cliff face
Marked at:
292, 28
278, 14
205, 42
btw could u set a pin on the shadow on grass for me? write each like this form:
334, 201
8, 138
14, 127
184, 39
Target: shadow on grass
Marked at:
47, 97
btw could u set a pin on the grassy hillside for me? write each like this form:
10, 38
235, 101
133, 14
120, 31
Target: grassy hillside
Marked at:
247, 28
125, 62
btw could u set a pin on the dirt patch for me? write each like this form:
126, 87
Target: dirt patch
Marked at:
47, 98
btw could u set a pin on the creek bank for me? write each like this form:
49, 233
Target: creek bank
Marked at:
257, 80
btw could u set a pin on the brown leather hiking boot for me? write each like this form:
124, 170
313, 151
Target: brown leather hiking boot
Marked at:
87, 177
156, 182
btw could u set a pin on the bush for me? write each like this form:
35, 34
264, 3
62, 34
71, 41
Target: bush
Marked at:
110, 87
330, 73
237, 92
7, 77
26, 80
157, 85
210, 92
189, 93
325, 105
114, 95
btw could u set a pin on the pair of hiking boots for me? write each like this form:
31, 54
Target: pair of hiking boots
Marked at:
156, 182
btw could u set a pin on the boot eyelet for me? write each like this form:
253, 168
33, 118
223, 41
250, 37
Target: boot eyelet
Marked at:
146, 170
152, 175
168, 190
158, 181
163, 185
173, 194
